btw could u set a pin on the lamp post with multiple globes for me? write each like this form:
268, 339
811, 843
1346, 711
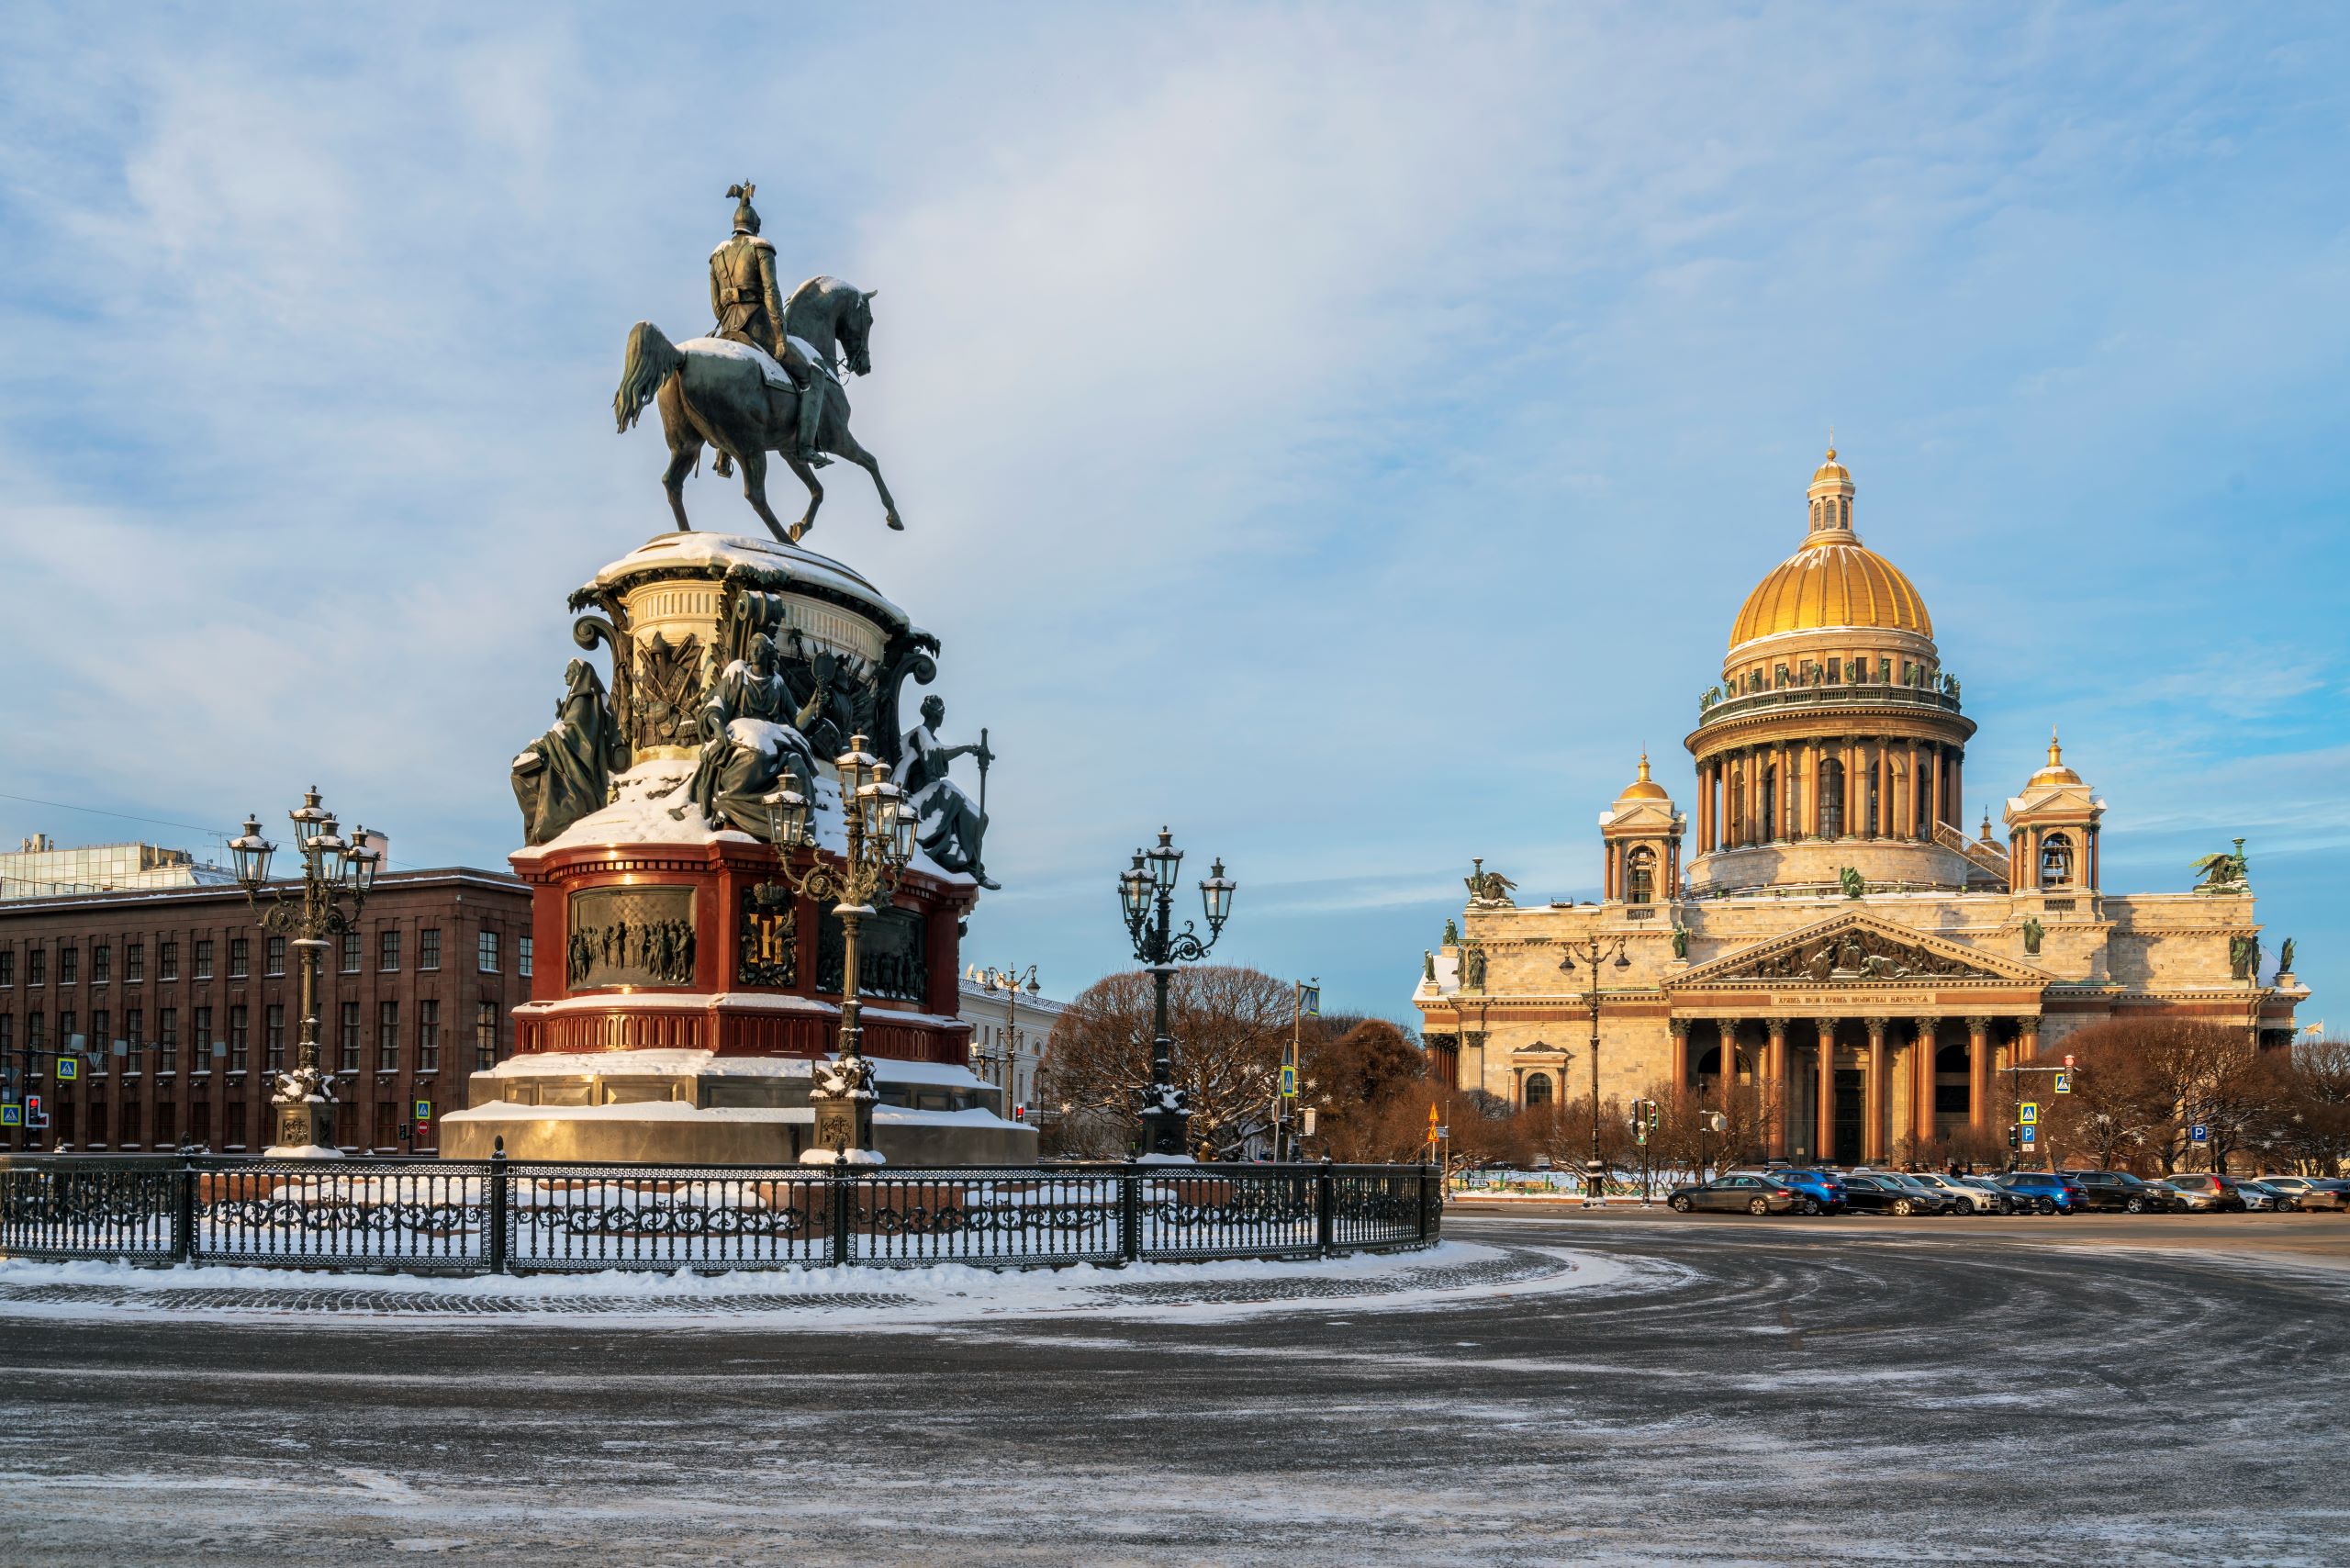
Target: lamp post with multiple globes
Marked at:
336, 875
1593, 950
1004, 1061
1147, 893
879, 833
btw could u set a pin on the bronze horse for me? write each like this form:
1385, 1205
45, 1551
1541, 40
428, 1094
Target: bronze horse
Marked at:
723, 399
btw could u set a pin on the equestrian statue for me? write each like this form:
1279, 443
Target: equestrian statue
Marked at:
766, 379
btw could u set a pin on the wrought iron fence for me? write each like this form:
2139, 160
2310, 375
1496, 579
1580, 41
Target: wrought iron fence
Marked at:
525, 1216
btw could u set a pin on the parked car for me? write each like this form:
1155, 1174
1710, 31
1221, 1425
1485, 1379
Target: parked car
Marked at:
2043, 1192
2115, 1191
1728, 1194
1822, 1191
2206, 1193
1966, 1198
2163, 1198
2261, 1195
2311, 1192
1884, 1192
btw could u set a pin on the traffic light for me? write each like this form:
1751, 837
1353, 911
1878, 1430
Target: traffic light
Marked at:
2012, 1138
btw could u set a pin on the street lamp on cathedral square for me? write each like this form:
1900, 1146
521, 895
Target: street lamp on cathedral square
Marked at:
1593, 951
336, 875
880, 834
1147, 893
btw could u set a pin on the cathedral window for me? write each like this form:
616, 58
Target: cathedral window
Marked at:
1538, 1089
2056, 861
1639, 875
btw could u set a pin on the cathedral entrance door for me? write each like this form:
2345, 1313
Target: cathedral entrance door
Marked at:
1851, 1100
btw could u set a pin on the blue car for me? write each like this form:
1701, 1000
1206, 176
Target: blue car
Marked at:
2042, 1192
1822, 1192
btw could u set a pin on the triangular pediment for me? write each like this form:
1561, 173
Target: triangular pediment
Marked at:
1848, 949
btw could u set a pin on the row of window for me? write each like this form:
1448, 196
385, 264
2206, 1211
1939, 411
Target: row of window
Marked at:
488, 958
128, 1128
233, 1049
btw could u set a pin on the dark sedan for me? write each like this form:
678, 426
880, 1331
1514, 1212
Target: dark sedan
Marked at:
1880, 1194
2118, 1192
1753, 1194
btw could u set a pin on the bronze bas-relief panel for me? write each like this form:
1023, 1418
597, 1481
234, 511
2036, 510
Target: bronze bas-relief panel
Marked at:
630, 937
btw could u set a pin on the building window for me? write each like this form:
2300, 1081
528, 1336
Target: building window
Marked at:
347, 1039
1831, 799
98, 1124
427, 947
346, 1124
167, 1039
485, 952
1538, 1089
166, 1124
273, 957
134, 1033
522, 956
485, 1036
387, 1036
428, 1037
204, 959
7, 1033
1639, 875
273, 1036
232, 1127
387, 949
241, 956
351, 952
240, 1041
68, 965
7, 965
2056, 861
167, 960
129, 1136
101, 964
202, 1039
199, 1124
36, 966
134, 961
386, 1126
100, 1038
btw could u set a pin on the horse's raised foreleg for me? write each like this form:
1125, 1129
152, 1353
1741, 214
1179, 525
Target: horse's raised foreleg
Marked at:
755, 491
673, 479
815, 495
845, 446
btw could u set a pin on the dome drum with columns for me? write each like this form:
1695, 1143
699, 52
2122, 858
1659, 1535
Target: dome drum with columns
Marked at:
1838, 957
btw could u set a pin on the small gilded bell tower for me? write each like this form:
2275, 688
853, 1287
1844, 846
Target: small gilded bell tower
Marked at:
1641, 836
2052, 831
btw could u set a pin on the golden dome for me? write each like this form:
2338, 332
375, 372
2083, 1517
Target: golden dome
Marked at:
2055, 772
1834, 580
1643, 788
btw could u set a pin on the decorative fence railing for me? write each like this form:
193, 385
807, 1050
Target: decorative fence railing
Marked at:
525, 1216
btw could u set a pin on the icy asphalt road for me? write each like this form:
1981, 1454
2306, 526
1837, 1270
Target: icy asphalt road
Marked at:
2125, 1390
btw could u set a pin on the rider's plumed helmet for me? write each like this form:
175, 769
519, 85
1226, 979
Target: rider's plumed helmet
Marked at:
746, 218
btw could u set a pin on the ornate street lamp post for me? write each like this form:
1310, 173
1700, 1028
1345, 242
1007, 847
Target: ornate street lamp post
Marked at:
1008, 982
1592, 950
1147, 893
880, 841
336, 875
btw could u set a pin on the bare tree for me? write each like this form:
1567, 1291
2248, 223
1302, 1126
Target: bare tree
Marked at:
1229, 1025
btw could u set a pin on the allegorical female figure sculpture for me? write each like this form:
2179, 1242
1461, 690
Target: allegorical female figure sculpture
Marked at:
568, 772
751, 743
952, 827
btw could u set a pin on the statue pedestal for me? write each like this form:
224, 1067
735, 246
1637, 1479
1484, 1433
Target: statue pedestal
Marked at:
302, 1130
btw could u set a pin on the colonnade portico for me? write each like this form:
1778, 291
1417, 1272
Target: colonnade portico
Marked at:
1884, 1074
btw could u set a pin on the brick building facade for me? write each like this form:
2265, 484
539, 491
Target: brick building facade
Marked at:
189, 1004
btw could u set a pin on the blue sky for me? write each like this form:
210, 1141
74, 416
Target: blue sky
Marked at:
1344, 433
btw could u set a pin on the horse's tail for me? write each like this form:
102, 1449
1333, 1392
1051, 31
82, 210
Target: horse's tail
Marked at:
652, 360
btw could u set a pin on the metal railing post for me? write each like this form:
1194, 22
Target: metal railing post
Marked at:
1423, 1189
1130, 1211
839, 1195
184, 1210
495, 1240
1325, 1209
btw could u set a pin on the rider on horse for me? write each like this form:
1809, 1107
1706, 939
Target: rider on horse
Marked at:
743, 296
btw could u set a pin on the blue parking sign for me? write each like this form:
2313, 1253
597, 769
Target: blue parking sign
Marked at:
2198, 1133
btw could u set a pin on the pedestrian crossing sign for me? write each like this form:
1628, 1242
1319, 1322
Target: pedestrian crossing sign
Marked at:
12, 1114
2028, 1113
1288, 1081
424, 1109
68, 1068
2064, 1083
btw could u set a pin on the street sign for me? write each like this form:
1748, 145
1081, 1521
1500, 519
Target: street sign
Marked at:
68, 1069
11, 1115
2028, 1113
1309, 999
2198, 1133
424, 1109
2030, 1137
2064, 1083
122, 1048
1288, 1081
1306, 1130
1444, 1132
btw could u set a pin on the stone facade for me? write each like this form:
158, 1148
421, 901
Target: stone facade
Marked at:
1840, 955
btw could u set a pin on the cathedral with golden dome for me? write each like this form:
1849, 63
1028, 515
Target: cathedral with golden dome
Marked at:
1837, 961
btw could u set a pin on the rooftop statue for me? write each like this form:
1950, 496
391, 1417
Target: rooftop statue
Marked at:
2223, 873
767, 379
